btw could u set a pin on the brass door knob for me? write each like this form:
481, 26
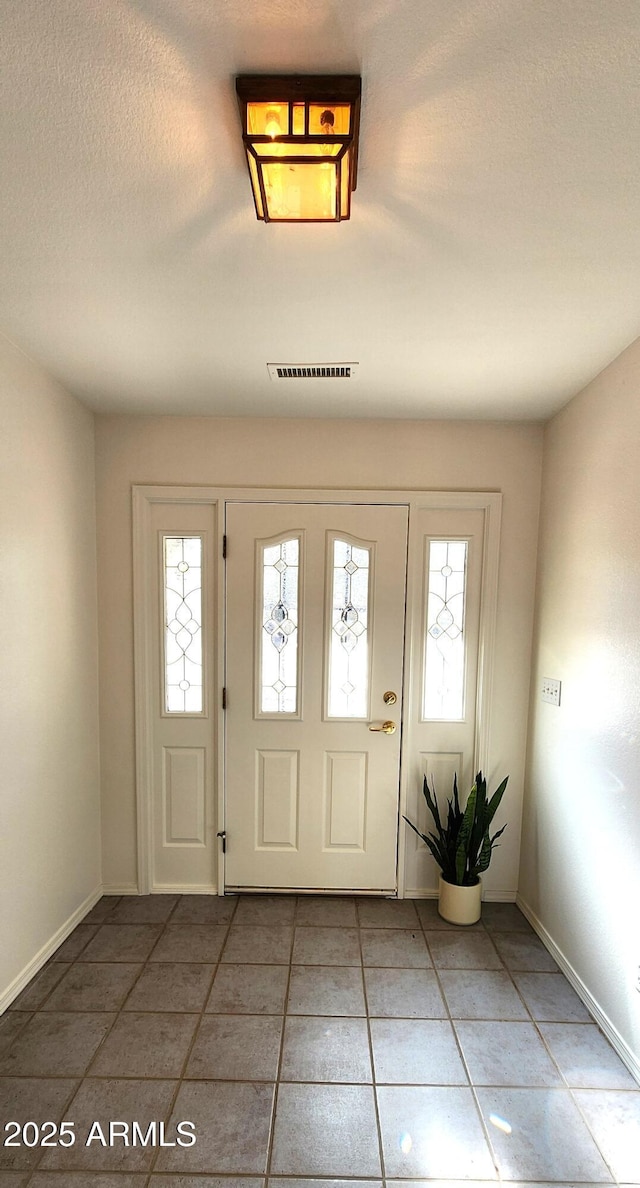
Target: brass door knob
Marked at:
389, 697
385, 728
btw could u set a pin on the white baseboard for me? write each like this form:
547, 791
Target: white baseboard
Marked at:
161, 889
604, 1023
487, 896
184, 889
18, 984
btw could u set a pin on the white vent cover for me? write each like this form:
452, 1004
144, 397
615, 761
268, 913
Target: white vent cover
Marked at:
287, 371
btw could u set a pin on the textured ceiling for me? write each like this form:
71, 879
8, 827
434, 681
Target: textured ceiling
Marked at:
492, 263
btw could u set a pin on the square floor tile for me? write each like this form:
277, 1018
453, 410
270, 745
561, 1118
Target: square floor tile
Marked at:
11, 1024
190, 942
146, 1045
232, 1123
14, 1179
104, 1101
614, 1119
538, 1134
101, 910
122, 942
80, 1180
431, 919
176, 986
265, 909
522, 951
416, 1052
326, 990
585, 1058
56, 1044
555, 1184
143, 909
249, 990
290, 1182
205, 909
326, 1130
550, 998
93, 987
24, 1099
236, 1048
40, 987
327, 911
75, 942
504, 1054
259, 945
504, 917
205, 1182
429, 1132
395, 947
387, 913
481, 994
404, 993
326, 1049
326, 946
456, 950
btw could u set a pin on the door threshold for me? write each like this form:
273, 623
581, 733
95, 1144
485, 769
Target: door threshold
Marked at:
381, 893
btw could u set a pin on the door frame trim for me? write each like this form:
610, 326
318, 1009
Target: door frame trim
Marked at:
144, 496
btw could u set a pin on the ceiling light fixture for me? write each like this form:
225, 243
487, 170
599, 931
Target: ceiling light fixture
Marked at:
300, 134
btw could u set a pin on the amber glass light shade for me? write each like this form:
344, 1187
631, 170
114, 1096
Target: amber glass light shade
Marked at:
301, 139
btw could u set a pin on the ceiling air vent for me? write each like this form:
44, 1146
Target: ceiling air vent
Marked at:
287, 371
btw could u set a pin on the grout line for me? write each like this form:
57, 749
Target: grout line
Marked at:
120, 1011
535, 1023
116, 1016
63, 1114
274, 1104
471, 1086
374, 1086
196, 1031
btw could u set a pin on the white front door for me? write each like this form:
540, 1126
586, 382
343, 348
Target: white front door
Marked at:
315, 629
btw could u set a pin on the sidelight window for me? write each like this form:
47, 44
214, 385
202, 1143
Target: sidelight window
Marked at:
182, 566
444, 662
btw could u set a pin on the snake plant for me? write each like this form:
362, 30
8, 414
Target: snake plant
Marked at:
463, 846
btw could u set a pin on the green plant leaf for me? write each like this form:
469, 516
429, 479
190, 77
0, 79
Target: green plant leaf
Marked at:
462, 849
434, 843
432, 804
494, 803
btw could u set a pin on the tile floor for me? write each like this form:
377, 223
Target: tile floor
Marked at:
341, 1040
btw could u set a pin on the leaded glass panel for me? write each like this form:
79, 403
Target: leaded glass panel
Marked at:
348, 637
279, 633
182, 565
445, 630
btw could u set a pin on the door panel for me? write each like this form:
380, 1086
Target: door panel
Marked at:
183, 808
444, 684
315, 634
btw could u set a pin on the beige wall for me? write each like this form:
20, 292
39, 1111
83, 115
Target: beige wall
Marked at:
50, 810
580, 871
344, 454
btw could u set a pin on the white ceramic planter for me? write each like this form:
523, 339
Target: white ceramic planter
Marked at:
460, 905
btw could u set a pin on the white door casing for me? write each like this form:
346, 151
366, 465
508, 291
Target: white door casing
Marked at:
423, 745
312, 792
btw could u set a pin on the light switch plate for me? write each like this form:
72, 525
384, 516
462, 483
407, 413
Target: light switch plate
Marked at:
551, 690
